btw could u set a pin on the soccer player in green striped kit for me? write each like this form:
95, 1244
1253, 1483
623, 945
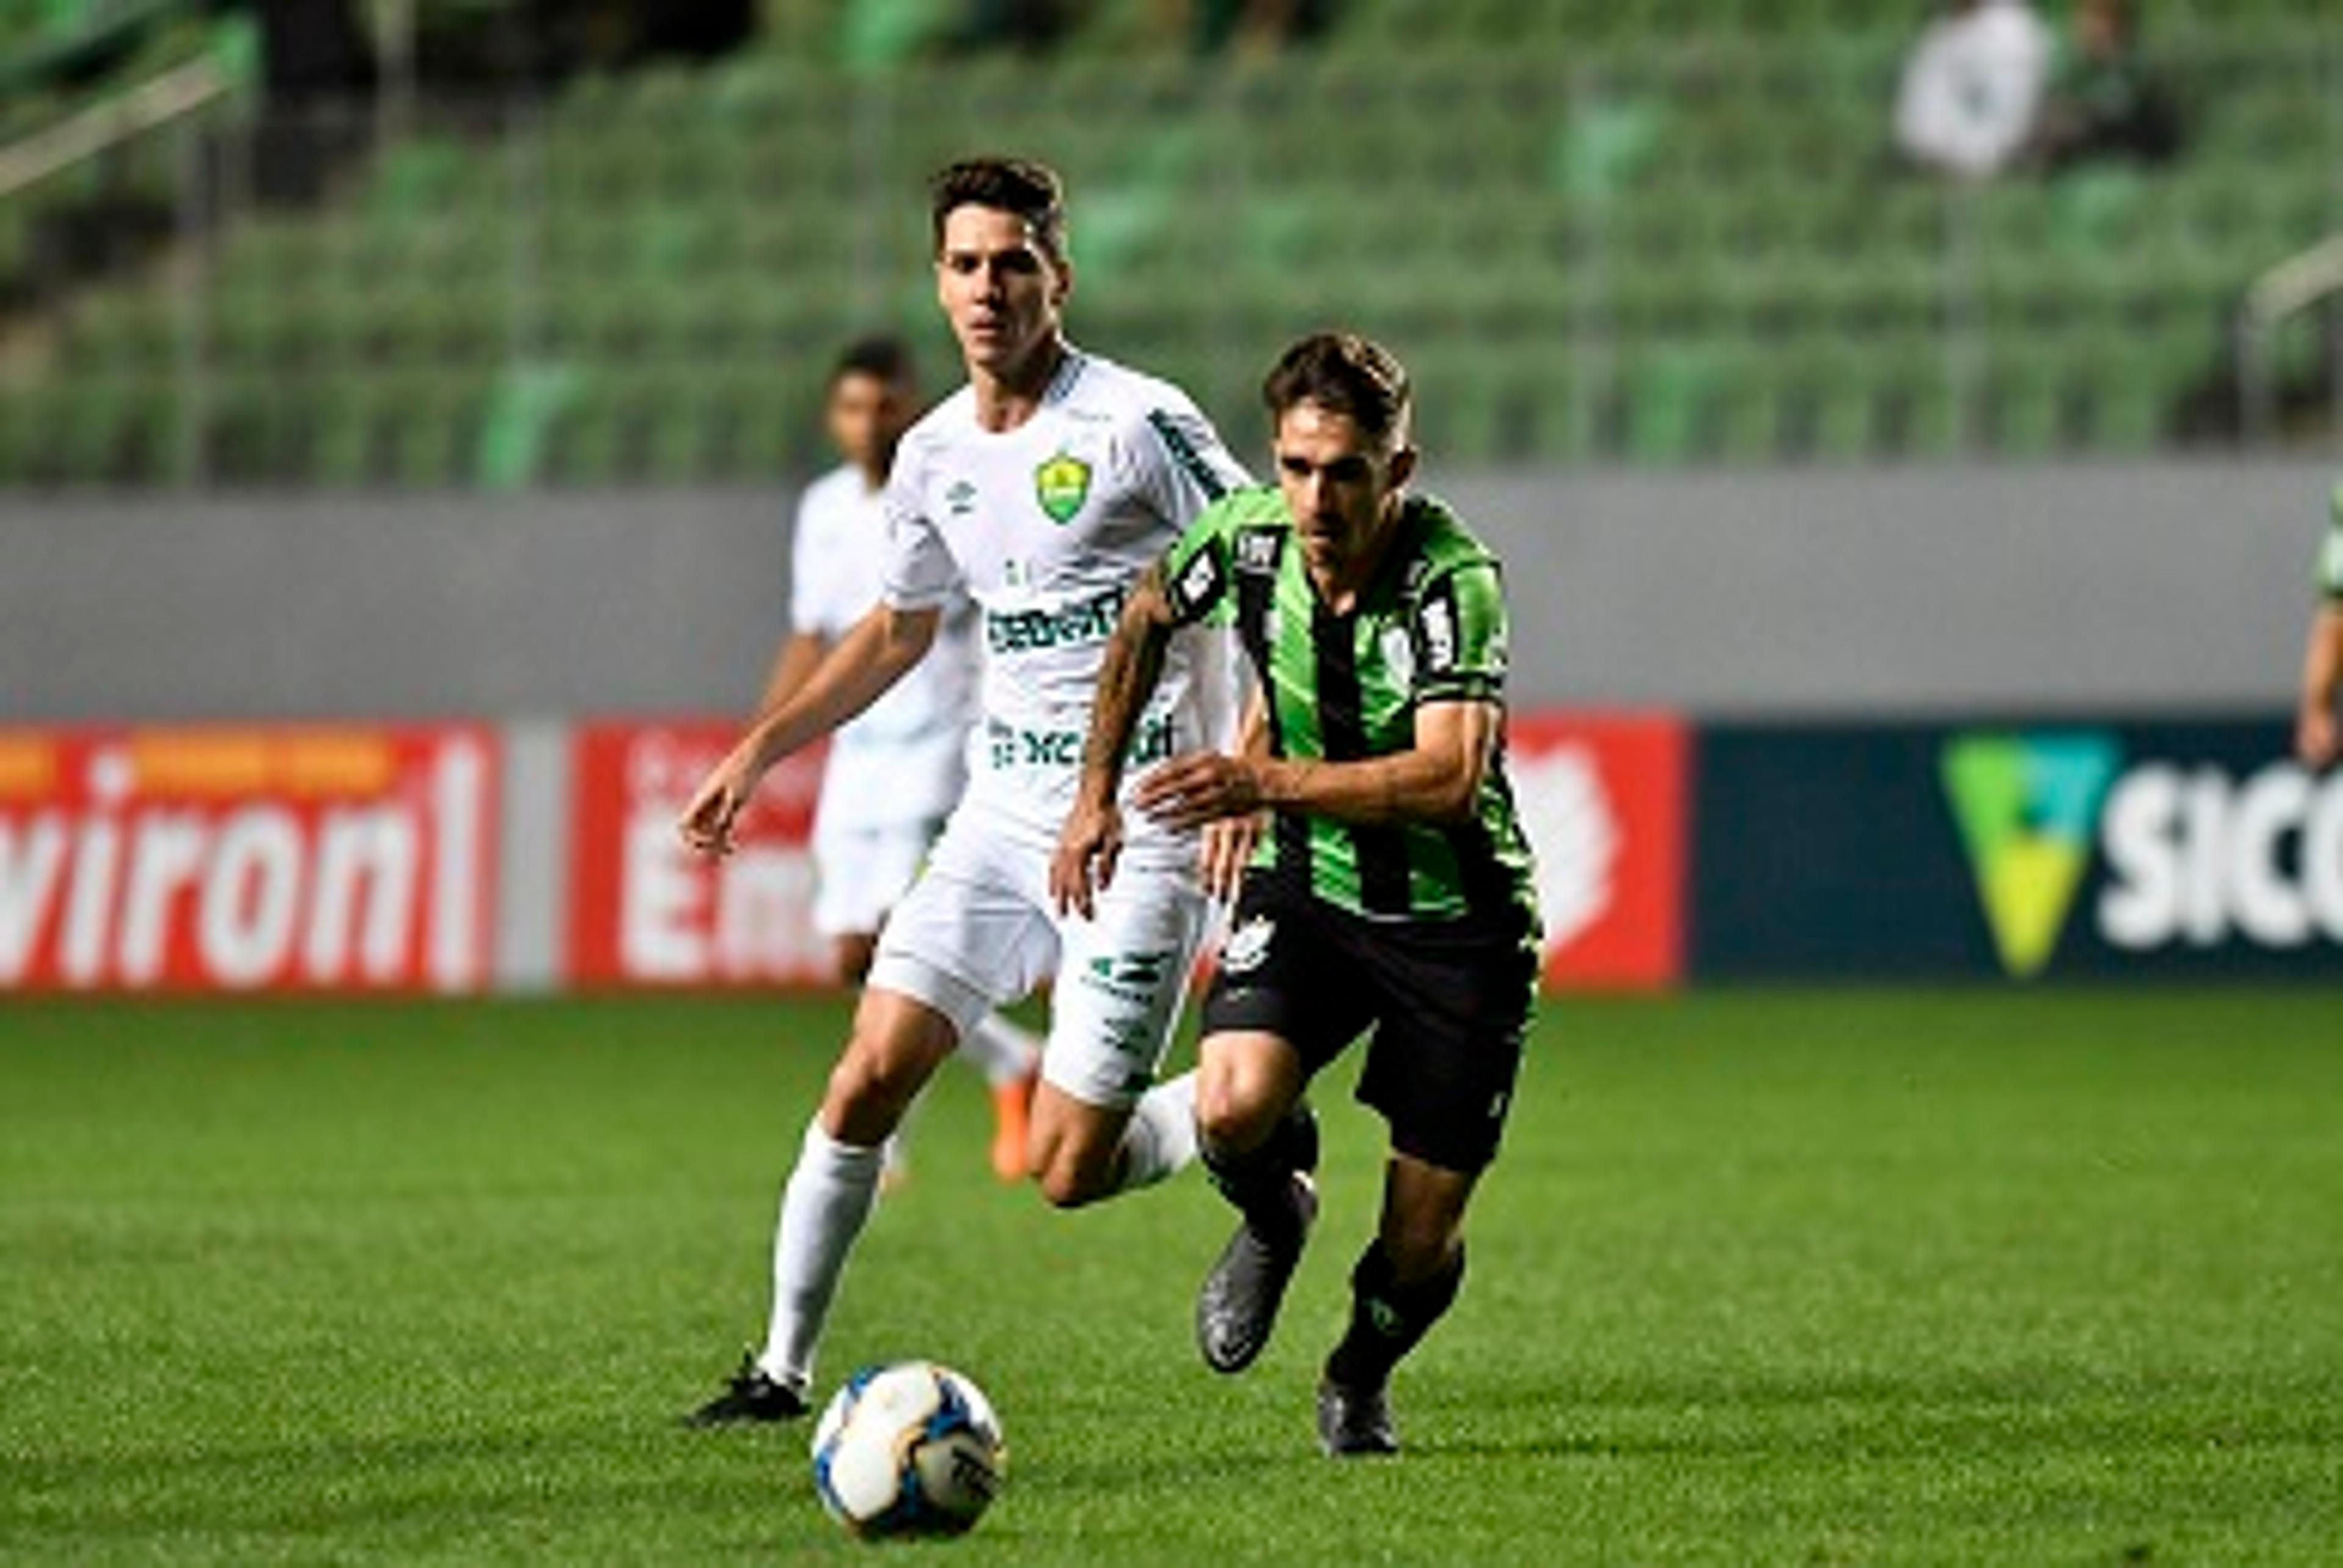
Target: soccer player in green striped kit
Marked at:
1392, 891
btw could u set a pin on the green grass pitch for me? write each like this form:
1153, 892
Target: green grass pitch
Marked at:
1762, 1277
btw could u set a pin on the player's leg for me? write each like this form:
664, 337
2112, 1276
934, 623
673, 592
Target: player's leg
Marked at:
860, 871
1404, 1281
959, 921
1010, 1057
851, 954
897, 1044
1281, 1006
1259, 1142
1440, 1069
862, 876
1099, 1127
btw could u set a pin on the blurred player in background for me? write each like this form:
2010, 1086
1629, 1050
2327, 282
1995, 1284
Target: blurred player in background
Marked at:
1393, 891
894, 773
1041, 490
2315, 737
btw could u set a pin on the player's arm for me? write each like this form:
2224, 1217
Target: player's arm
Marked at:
1226, 845
793, 664
2315, 733
2316, 741
1437, 779
874, 655
1092, 837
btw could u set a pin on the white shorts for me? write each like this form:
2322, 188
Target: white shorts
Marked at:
861, 873
978, 931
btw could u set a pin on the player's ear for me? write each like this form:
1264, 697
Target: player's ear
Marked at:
1401, 469
1061, 268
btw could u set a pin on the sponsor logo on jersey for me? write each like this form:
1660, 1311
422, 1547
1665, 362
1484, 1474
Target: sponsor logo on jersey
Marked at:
2027, 808
1061, 485
1085, 620
1008, 746
1198, 585
1257, 550
960, 498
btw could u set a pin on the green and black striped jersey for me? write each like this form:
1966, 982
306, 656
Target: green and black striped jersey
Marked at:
2331, 554
1430, 628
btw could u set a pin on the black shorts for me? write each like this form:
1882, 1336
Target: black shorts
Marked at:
1449, 1005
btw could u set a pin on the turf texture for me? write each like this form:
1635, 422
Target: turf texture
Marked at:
1983, 1276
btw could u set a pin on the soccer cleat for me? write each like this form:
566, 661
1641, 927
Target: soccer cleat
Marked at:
1012, 1105
1355, 1421
1238, 1305
750, 1395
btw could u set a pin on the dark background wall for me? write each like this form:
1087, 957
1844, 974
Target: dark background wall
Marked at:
1824, 592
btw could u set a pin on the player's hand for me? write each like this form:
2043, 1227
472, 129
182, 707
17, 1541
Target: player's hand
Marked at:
707, 821
1191, 790
1225, 850
2315, 735
1088, 847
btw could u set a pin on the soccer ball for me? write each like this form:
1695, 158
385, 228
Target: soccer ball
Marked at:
911, 1449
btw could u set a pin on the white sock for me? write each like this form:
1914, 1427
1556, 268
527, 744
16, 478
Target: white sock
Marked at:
1161, 1135
1001, 1049
823, 1209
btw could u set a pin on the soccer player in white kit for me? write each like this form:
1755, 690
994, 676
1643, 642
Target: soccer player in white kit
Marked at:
1041, 490
894, 772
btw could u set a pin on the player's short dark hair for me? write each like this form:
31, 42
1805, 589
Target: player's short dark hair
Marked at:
1343, 373
882, 358
1025, 187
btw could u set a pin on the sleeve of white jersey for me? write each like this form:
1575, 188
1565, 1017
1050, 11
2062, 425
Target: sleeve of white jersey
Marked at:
1181, 466
921, 571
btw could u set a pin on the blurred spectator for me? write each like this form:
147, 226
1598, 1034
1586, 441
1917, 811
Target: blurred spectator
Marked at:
2104, 102
1972, 86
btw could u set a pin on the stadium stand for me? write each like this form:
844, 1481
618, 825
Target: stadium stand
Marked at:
1639, 231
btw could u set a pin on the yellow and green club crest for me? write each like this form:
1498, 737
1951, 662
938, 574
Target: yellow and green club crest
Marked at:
1061, 485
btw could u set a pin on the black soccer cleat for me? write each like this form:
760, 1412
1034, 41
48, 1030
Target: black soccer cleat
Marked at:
751, 1396
1238, 1305
1355, 1421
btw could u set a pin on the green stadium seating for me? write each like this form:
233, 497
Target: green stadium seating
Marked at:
1648, 231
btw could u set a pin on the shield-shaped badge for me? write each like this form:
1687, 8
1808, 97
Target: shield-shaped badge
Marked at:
1061, 485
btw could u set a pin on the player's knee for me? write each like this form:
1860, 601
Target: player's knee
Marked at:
1232, 1112
1068, 1181
869, 1092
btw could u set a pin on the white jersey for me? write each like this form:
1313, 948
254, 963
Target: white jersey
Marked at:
1046, 526
902, 761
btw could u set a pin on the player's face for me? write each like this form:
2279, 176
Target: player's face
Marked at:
1343, 490
1000, 291
867, 414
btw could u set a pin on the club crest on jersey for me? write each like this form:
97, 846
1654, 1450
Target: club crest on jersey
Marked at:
1061, 485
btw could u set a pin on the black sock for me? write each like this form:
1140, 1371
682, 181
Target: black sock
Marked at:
1388, 1317
1258, 1181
